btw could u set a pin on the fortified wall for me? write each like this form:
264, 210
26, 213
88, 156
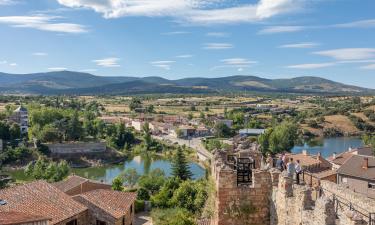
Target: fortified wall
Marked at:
77, 147
266, 196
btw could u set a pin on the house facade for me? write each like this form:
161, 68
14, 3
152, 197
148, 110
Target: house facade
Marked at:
358, 174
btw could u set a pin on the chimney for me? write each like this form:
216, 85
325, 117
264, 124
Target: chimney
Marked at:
304, 152
334, 155
365, 163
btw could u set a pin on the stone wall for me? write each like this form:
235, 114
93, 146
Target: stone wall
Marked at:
77, 147
274, 199
82, 219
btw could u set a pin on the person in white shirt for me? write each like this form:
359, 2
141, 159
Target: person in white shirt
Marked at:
298, 170
291, 168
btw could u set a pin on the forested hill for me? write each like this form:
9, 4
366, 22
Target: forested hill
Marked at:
69, 82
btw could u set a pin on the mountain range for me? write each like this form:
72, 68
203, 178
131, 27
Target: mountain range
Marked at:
70, 82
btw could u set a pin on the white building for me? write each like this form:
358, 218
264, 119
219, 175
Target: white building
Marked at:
21, 116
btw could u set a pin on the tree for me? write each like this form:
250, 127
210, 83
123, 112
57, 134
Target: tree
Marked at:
221, 130
14, 131
47, 170
283, 137
163, 198
142, 194
152, 181
49, 134
190, 195
135, 103
74, 127
263, 140
180, 167
117, 184
147, 136
130, 177
150, 109
174, 216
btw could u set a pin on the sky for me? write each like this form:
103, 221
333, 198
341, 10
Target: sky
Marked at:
333, 39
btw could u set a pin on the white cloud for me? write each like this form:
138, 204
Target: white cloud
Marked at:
217, 46
40, 54
300, 45
12, 64
8, 2
43, 22
239, 63
57, 68
280, 29
190, 11
310, 66
3, 62
107, 62
217, 34
164, 64
349, 53
184, 56
368, 67
358, 24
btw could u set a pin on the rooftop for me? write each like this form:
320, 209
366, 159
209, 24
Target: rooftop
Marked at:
355, 167
40, 198
70, 183
13, 218
112, 202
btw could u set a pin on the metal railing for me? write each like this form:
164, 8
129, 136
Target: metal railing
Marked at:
340, 202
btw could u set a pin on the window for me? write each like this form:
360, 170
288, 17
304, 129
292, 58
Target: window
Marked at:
123, 220
371, 185
131, 209
98, 222
344, 180
73, 222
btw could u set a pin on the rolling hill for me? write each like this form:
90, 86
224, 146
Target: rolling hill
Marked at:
69, 82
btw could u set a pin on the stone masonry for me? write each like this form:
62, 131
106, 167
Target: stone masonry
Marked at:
273, 199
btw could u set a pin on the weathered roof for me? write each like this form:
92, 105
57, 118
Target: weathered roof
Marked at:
341, 158
354, 167
40, 198
251, 131
325, 173
15, 218
70, 183
115, 203
21, 109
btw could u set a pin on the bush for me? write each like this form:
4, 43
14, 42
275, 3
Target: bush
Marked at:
174, 216
143, 194
139, 206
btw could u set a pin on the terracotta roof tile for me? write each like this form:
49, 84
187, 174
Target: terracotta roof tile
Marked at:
70, 183
40, 198
13, 218
115, 203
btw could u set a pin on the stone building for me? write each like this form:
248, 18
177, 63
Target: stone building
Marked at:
75, 185
247, 194
41, 199
108, 207
21, 116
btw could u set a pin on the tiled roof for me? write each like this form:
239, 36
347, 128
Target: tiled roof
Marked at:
354, 167
13, 218
340, 158
115, 203
70, 183
40, 198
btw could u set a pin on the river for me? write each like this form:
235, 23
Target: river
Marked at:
327, 146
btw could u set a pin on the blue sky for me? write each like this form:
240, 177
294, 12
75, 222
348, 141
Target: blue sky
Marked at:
333, 39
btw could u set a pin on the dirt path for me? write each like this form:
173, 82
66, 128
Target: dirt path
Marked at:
142, 218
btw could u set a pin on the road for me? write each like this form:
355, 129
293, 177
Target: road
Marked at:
194, 143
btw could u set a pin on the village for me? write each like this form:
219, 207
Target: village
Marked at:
250, 186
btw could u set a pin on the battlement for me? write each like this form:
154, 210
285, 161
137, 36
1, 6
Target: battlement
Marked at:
272, 198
